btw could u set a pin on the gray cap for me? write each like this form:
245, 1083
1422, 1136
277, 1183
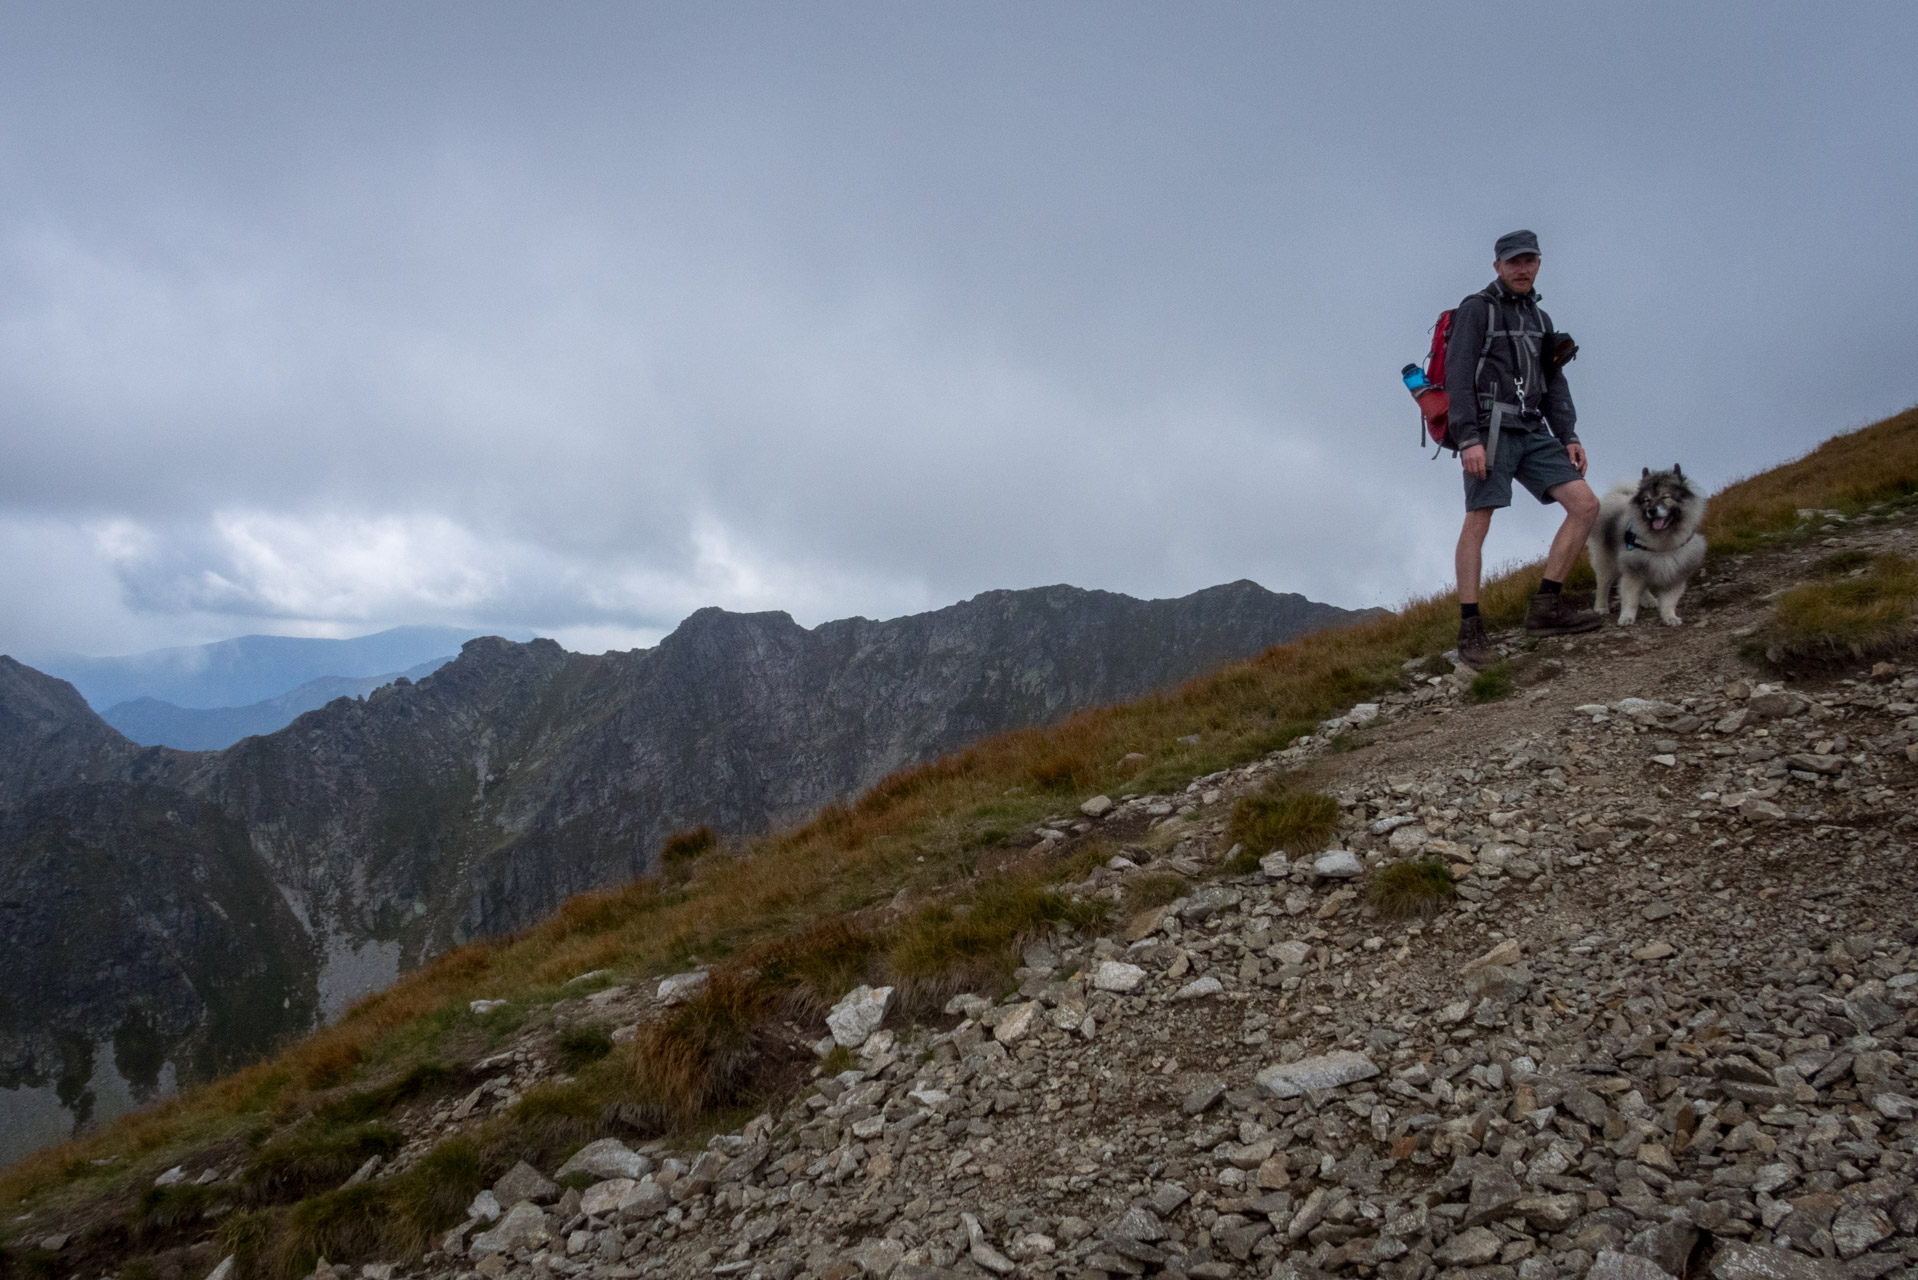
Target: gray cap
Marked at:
1513, 243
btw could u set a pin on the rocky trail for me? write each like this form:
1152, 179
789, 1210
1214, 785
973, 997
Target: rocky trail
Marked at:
1664, 1031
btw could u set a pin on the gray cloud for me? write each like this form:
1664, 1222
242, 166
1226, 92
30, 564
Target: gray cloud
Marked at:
328, 320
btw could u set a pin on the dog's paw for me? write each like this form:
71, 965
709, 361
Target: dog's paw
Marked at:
1672, 620
1626, 620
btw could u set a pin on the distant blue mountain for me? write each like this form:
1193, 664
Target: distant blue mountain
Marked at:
153, 723
249, 669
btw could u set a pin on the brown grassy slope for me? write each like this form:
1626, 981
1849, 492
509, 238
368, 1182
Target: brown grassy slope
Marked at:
920, 829
1845, 473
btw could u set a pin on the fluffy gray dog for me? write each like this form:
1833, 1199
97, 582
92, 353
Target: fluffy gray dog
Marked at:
1647, 542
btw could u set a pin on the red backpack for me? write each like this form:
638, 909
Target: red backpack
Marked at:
1428, 386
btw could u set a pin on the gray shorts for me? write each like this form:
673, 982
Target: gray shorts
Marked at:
1536, 459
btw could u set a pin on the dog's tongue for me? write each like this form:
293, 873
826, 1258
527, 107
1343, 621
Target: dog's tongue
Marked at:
1658, 525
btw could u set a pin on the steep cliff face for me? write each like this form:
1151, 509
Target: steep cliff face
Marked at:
158, 889
141, 918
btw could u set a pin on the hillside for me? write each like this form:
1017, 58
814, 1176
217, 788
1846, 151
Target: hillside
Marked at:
204, 906
1648, 1015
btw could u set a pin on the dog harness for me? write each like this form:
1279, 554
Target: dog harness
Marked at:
1632, 544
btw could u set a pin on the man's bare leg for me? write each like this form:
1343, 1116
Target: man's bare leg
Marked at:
1469, 559
1581, 513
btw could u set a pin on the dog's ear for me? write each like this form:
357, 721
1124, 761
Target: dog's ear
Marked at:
1678, 471
1644, 473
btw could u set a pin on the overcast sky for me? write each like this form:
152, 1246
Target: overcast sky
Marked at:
319, 319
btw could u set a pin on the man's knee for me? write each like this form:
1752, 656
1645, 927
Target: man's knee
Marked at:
1477, 525
1577, 498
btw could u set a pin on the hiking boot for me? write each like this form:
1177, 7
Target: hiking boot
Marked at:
1474, 650
1559, 615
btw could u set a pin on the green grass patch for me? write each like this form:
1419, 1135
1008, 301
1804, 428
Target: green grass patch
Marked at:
1843, 620
582, 1043
369, 1104
1155, 889
1275, 818
1491, 684
1414, 888
314, 1157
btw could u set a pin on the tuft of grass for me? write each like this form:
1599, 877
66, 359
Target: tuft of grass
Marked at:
705, 1054
313, 1158
1840, 563
943, 949
1156, 889
369, 1104
683, 851
1415, 888
1842, 620
388, 1218
331, 1061
1275, 818
1491, 684
1243, 863
163, 1209
582, 1043
811, 970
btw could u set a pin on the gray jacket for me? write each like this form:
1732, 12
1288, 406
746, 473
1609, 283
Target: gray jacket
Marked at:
1508, 374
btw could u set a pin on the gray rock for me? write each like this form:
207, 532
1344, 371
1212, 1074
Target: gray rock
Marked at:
485, 1207
858, 1014
1276, 865
1858, 1228
523, 1227
1097, 807
1166, 1198
1199, 988
1737, 1260
645, 1199
1613, 1265
607, 1158
1137, 1223
1494, 1193
1327, 1071
1473, 1247
524, 1182
1202, 1095
601, 1200
877, 1257
680, 987
1292, 954
1116, 975
1337, 864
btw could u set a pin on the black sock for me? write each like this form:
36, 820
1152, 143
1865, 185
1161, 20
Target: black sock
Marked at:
1467, 611
1550, 588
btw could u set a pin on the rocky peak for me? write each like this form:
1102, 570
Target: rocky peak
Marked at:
49, 736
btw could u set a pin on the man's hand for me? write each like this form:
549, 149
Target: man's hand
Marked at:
1473, 458
1577, 451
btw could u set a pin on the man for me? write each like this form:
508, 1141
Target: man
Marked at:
1512, 419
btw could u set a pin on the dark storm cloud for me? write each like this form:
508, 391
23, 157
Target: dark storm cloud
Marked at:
580, 317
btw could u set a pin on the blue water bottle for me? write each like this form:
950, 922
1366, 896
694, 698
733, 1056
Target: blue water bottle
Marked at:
1414, 377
